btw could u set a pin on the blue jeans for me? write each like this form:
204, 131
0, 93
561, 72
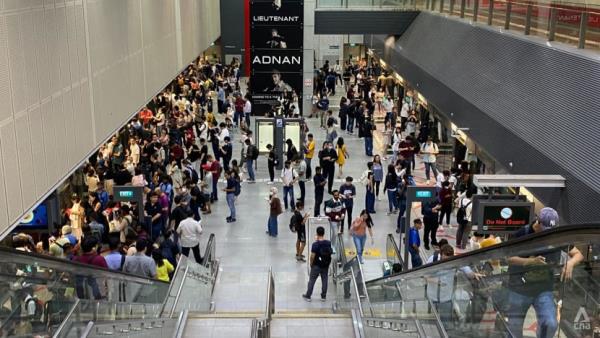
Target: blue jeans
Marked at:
359, 243
250, 168
247, 118
430, 166
288, 190
392, 200
369, 146
237, 116
545, 311
415, 258
231, 203
370, 201
350, 125
272, 225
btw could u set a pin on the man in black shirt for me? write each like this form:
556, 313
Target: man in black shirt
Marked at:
298, 221
328, 157
179, 213
226, 152
203, 156
531, 279
320, 258
319, 180
367, 133
154, 213
347, 192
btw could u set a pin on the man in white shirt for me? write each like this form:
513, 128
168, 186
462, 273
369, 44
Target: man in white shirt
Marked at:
247, 112
429, 150
464, 226
288, 177
189, 232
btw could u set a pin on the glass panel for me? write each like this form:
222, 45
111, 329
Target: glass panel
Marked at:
593, 30
330, 3
196, 293
540, 21
499, 17
518, 14
567, 25
496, 288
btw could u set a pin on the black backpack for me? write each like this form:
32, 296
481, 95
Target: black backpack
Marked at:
294, 220
238, 187
461, 213
324, 255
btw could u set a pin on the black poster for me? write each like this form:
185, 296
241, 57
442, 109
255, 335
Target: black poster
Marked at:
276, 37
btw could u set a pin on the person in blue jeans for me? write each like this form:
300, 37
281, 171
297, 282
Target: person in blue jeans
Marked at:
274, 212
359, 228
391, 186
289, 176
230, 195
414, 243
531, 279
250, 153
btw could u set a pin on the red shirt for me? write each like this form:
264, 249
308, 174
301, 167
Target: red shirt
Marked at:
146, 115
91, 259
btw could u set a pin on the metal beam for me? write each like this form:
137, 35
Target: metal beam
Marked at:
528, 181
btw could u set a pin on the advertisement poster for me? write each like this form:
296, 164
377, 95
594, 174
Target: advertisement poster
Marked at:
501, 217
276, 52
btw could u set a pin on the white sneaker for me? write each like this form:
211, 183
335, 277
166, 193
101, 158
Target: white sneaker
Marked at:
378, 198
269, 182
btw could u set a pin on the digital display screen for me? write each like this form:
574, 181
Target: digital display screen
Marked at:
499, 217
38, 218
423, 194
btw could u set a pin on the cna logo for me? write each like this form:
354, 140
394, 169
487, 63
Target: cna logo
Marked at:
582, 320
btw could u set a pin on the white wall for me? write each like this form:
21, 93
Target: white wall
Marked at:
72, 72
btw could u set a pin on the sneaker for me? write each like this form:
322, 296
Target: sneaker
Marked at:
361, 260
323, 299
388, 213
306, 298
378, 198
270, 182
301, 259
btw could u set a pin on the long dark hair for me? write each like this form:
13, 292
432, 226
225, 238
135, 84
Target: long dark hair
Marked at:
158, 258
369, 219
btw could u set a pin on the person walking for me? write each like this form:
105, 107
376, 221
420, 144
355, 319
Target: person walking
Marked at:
288, 177
370, 195
359, 228
320, 259
328, 157
319, 182
300, 168
274, 212
309, 154
272, 161
414, 244
342, 155
298, 224
367, 134
348, 192
189, 232
391, 186
251, 156
377, 174
336, 211
430, 212
230, 191
429, 150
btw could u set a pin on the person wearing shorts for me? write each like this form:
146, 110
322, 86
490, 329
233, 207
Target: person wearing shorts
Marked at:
298, 222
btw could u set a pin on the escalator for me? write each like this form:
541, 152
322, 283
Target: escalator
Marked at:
42, 296
477, 294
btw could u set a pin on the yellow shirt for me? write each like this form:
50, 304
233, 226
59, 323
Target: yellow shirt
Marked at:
310, 149
162, 272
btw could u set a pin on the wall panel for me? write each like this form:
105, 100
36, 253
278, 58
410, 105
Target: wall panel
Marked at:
71, 72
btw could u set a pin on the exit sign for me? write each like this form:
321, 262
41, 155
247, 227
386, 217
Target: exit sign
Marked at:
423, 194
126, 194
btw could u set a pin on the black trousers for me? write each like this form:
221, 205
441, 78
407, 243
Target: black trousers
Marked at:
196, 250
430, 231
271, 172
318, 201
349, 215
302, 186
329, 171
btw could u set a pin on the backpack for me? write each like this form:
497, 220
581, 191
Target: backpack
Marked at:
253, 152
294, 221
39, 309
461, 213
324, 255
193, 175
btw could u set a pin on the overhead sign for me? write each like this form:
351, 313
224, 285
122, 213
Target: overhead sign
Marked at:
128, 193
277, 36
504, 217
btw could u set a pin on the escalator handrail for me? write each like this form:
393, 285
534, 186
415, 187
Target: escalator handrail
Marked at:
66, 320
396, 249
10, 255
177, 268
438, 320
209, 251
342, 248
557, 234
181, 323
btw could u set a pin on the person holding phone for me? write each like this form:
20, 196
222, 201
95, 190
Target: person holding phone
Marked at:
359, 228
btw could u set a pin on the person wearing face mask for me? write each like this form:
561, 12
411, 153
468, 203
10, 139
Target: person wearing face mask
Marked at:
328, 157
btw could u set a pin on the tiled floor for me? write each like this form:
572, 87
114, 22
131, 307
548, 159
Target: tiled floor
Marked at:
218, 328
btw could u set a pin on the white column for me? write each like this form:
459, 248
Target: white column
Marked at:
308, 57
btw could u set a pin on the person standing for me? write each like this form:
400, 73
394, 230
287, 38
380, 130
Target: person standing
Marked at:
247, 111
139, 263
328, 157
342, 154
336, 211
213, 167
226, 152
153, 211
367, 133
298, 222
310, 153
463, 217
348, 191
370, 194
414, 244
319, 182
320, 259
288, 177
359, 233
391, 186
445, 199
274, 212
429, 151
272, 161
377, 174
300, 168
230, 191
189, 232
251, 156
430, 212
